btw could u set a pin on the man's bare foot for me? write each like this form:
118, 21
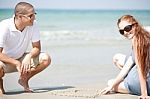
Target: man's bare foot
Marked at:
1, 92
1, 87
24, 83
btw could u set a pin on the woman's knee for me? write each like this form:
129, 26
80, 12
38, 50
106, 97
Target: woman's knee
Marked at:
110, 82
119, 59
116, 57
121, 88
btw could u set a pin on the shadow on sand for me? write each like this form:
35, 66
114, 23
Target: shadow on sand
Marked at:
40, 90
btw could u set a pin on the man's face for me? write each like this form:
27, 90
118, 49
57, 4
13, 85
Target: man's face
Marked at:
29, 18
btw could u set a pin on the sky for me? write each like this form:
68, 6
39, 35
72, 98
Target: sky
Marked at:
81, 4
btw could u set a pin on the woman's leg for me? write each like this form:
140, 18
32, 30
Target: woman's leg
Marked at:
119, 88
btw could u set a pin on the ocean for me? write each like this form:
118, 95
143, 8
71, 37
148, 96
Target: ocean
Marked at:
81, 44
81, 24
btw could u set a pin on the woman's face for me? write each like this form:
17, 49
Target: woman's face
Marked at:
127, 29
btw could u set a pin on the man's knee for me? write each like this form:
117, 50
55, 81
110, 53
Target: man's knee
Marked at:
45, 60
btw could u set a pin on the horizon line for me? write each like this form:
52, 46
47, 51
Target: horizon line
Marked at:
74, 9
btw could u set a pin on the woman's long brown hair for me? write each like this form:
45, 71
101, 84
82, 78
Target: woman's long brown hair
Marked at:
141, 45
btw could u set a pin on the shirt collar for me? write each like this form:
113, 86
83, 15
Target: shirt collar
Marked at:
12, 24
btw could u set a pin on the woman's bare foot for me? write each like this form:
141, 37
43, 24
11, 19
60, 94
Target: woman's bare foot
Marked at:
24, 83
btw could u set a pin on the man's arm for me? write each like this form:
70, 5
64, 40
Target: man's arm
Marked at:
36, 48
26, 63
9, 60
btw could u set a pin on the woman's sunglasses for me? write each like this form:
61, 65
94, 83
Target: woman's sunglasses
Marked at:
127, 29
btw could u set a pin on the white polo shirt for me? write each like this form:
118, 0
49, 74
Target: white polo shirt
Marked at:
15, 42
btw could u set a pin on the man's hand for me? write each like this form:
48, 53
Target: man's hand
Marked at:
18, 65
26, 64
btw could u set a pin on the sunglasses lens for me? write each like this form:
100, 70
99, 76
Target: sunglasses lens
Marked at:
32, 15
128, 28
121, 32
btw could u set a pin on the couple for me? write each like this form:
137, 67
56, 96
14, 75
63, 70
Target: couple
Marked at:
17, 32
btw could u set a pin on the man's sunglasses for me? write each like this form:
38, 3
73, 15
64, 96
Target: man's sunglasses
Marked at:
127, 29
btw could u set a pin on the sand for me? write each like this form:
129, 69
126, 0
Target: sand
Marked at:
66, 92
76, 72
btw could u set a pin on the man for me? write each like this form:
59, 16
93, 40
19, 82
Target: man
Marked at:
15, 35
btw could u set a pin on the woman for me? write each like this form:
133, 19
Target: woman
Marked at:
134, 77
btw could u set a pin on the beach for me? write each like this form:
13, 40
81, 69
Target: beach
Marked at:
81, 44
66, 92
85, 74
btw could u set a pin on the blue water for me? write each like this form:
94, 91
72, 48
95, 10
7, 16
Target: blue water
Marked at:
81, 24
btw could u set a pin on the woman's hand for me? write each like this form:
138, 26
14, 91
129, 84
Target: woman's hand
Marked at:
106, 90
144, 97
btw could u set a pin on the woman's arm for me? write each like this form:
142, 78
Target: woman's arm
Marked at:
142, 81
123, 72
120, 76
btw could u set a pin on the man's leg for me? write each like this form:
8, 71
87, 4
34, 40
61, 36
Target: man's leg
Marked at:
1, 80
45, 60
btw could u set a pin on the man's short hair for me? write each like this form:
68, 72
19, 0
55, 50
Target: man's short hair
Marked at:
22, 8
